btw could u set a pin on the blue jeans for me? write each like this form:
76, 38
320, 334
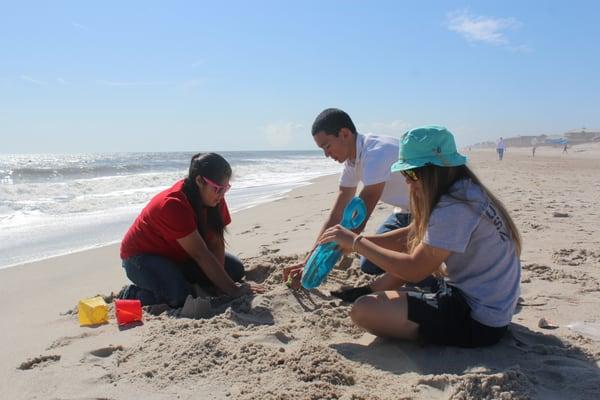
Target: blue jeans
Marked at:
394, 221
159, 280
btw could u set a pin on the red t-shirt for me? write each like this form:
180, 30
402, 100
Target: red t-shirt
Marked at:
169, 216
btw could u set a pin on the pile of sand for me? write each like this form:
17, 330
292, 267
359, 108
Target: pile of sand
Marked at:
287, 344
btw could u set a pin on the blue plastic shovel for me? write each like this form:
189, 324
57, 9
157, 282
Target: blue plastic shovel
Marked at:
325, 256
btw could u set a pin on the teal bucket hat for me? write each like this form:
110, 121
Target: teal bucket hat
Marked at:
429, 144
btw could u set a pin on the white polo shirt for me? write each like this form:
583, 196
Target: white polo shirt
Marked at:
374, 157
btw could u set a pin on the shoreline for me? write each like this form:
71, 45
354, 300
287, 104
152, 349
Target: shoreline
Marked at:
75, 251
265, 200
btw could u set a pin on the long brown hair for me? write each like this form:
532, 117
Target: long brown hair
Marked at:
435, 182
216, 168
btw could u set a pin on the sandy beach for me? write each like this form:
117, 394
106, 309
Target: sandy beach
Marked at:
302, 345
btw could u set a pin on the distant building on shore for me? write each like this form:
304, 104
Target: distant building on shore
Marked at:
575, 136
524, 141
583, 135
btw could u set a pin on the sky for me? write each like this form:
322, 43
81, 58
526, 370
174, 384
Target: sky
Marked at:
252, 75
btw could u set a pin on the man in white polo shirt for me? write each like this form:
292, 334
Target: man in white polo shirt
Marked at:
366, 159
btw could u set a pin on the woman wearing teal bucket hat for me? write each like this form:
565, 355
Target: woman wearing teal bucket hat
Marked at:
460, 233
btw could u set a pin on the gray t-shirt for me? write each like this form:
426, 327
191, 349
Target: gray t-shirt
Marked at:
483, 263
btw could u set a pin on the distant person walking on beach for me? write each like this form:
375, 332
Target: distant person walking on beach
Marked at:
500, 147
457, 222
533, 146
565, 149
367, 159
177, 240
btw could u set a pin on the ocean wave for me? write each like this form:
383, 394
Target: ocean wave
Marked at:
15, 169
41, 174
91, 199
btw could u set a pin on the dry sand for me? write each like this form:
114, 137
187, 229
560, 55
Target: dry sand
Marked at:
302, 345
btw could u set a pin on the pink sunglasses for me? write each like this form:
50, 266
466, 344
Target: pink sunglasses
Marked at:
219, 189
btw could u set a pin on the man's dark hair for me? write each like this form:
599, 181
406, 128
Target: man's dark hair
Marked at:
331, 121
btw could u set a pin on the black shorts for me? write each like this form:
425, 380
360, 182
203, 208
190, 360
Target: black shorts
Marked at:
444, 318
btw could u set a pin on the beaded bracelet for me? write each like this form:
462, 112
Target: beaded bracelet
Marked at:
355, 242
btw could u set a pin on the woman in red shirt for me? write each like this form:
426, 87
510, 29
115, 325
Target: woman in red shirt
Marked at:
177, 240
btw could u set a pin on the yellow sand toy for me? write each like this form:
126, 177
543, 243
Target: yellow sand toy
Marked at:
92, 311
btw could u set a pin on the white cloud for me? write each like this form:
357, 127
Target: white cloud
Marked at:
29, 79
197, 63
62, 81
280, 134
393, 128
483, 29
132, 83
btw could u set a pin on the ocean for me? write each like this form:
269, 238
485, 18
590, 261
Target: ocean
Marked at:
52, 204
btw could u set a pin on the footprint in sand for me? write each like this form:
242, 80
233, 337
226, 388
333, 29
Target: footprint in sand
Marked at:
537, 227
537, 269
282, 337
255, 227
544, 272
105, 352
574, 257
534, 301
550, 378
67, 340
265, 251
38, 362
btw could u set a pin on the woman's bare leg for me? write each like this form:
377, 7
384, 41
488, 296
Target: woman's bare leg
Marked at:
385, 314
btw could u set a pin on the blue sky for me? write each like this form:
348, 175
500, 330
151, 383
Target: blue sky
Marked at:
249, 75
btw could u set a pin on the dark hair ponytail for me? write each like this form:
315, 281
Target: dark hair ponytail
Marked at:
217, 169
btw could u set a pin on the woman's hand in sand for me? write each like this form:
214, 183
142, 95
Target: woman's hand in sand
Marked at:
292, 274
341, 236
249, 288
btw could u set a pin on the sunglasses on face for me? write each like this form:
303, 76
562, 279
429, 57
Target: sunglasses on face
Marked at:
219, 189
410, 174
